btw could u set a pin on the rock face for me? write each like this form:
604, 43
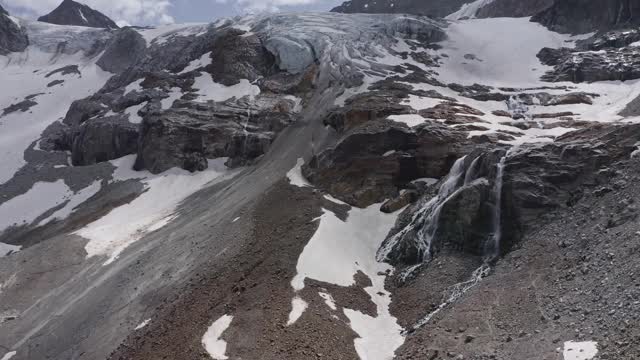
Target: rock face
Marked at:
74, 13
582, 16
513, 8
188, 134
488, 202
12, 36
103, 139
435, 8
123, 51
606, 56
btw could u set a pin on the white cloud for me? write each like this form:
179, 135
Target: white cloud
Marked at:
136, 12
253, 6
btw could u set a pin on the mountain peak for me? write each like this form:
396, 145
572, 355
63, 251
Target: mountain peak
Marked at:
70, 12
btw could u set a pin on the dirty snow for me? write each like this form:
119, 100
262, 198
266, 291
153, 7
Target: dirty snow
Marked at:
211, 341
585, 350
153, 209
298, 306
211, 90
295, 175
358, 239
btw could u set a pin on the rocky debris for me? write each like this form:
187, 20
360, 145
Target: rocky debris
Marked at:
70, 12
12, 37
589, 66
374, 160
611, 39
580, 16
124, 50
103, 139
65, 70
189, 133
631, 109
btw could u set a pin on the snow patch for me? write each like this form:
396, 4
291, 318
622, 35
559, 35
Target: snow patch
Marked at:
142, 324
211, 90
25, 208
203, 61
132, 113
153, 209
469, 10
298, 306
75, 200
174, 94
8, 355
328, 299
410, 119
6, 249
585, 350
358, 239
295, 175
211, 341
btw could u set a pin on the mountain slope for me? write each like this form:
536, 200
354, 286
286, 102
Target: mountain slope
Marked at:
581, 16
70, 12
368, 186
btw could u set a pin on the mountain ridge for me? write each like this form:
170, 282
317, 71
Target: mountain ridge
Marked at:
74, 13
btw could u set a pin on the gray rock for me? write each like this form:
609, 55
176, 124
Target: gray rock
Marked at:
73, 13
124, 50
12, 37
583, 16
103, 139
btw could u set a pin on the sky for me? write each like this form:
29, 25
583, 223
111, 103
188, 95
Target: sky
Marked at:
152, 12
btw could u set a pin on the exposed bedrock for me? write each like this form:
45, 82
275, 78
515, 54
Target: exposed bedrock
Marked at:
188, 134
373, 161
124, 50
487, 203
583, 16
589, 66
12, 37
103, 139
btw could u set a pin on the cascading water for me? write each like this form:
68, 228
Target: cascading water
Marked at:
497, 214
518, 108
425, 220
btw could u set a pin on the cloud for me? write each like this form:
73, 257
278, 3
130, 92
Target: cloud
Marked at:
136, 12
254, 6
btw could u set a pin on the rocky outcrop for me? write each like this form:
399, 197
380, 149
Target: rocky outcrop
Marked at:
123, 51
73, 13
378, 158
583, 16
12, 37
589, 66
188, 134
103, 139
488, 202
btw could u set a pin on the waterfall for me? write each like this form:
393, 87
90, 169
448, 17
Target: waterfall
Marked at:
425, 220
517, 107
497, 212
